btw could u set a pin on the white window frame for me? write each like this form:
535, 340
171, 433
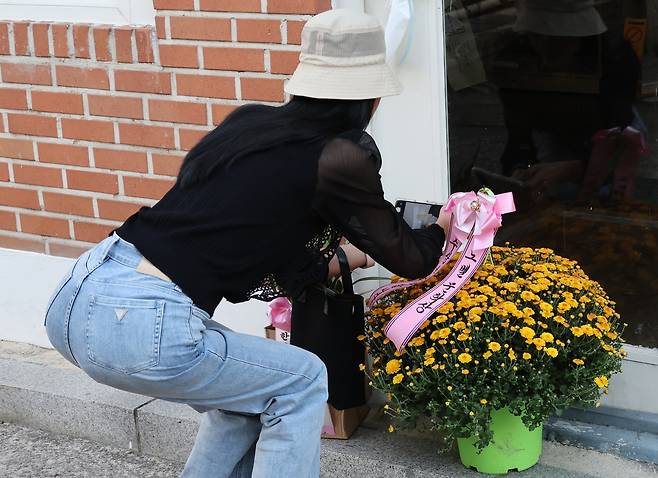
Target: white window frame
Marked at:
112, 12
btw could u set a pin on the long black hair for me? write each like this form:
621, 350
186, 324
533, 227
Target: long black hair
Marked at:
256, 127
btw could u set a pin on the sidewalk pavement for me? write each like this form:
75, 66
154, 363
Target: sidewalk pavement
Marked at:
40, 390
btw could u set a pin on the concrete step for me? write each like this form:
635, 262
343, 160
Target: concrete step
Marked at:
39, 389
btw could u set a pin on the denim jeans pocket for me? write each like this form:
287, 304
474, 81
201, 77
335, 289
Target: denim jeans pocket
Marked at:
124, 334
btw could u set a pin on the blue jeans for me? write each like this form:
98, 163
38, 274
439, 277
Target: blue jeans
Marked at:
262, 401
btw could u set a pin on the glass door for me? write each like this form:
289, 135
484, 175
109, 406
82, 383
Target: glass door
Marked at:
556, 100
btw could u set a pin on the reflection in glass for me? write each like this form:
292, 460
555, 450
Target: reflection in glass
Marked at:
555, 101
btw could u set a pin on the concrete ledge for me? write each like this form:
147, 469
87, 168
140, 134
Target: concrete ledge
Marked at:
40, 390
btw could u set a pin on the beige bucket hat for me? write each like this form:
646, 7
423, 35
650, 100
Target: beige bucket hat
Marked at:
343, 57
559, 18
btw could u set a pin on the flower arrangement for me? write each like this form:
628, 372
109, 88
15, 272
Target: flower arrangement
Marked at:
530, 332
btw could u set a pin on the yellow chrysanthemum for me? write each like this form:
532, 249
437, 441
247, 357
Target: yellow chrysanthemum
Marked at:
547, 337
577, 331
398, 378
465, 371
511, 354
602, 381
429, 361
526, 356
362, 367
487, 354
527, 333
464, 358
551, 351
483, 401
417, 341
392, 366
494, 346
578, 361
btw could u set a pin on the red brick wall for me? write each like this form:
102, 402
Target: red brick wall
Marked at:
95, 119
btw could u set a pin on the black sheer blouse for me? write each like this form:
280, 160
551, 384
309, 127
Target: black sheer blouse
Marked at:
268, 225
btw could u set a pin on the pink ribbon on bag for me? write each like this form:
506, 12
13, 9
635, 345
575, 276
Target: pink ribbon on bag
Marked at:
279, 311
475, 219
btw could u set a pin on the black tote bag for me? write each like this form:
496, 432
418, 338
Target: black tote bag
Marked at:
328, 323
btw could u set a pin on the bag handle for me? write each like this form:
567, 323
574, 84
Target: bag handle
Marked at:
345, 272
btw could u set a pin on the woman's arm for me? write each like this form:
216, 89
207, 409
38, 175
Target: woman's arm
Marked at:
349, 196
355, 257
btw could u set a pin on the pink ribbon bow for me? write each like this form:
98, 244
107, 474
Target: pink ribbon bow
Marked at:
475, 219
279, 312
479, 214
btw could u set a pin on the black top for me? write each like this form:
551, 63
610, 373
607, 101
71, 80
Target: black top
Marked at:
268, 225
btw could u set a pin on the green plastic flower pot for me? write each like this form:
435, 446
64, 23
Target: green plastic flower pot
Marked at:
513, 447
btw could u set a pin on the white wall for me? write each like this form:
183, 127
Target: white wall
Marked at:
27, 280
115, 12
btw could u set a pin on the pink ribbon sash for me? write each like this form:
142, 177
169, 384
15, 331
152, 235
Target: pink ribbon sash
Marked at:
475, 219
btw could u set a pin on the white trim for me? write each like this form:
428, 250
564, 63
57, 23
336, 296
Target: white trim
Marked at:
113, 12
640, 354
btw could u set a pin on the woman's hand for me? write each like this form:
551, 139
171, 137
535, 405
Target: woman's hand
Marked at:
355, 258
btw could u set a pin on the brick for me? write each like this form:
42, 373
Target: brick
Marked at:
261, 31
35, 125
143, 81
120, 160
91, 232
37, 175
63, 154
68, 204
263, 89
66, 249
184, 56
4, 172
117, 106
146, 187
45, 226
283, 62
21, 44
61, 40
230, 5
178, 111
16, 148
219, 112
13, 99
206, 86
22, 243
81, 40
160, 27
295, 32
102, 43
146, 135
190, 137
29, 73
14, 197
173, 4
166, 164
4, 38
309, 7
92, 181
7, 221
123, 44
95, 78
199, 28
144, 46
40, 39
56, 102
234, 59
117, 210
90, 130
